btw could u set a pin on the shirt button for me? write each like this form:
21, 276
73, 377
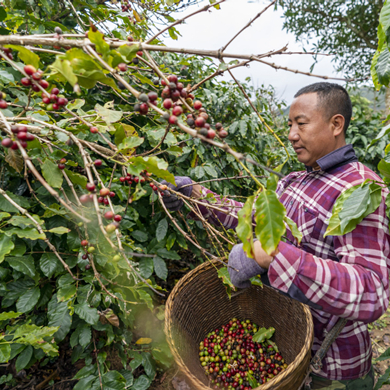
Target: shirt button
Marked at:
291, 201
304, 182
305, 209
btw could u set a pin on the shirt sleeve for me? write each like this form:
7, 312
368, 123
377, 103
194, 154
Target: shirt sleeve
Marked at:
356, 287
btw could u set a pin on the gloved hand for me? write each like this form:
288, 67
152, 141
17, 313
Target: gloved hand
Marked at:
171, 201
246, 266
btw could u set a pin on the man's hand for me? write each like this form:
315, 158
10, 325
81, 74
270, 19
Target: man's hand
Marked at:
261, 257
171, 201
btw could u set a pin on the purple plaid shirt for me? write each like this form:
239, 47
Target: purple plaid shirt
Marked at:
337, 276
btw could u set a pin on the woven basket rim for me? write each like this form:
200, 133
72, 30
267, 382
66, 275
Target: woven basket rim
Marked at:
183, 367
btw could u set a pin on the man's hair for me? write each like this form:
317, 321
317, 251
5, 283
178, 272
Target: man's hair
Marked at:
332, 98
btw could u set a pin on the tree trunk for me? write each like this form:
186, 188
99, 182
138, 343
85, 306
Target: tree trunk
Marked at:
387, 103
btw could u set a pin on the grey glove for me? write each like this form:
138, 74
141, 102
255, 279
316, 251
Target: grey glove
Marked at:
247, 267
171, 201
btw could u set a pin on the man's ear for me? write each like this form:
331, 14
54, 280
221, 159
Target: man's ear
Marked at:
338, 122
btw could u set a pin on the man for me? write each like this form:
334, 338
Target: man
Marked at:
337, 276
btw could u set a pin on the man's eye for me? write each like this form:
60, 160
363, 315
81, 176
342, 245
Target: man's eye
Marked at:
301, 123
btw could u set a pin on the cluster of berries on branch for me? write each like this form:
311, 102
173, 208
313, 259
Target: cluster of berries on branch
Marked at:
21, 134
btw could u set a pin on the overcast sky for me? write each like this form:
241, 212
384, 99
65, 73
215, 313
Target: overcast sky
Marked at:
213, 29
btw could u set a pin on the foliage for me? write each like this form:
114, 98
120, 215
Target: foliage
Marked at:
101, 299
343, 28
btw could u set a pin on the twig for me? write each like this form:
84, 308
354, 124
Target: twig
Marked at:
222, 178
158, 145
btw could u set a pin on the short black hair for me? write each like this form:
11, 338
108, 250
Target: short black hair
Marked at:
333, 98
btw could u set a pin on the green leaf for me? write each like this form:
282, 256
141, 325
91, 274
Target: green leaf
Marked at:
252, 381
263, 334
50, 264
383, 379
149, 365
85, 383
294, 229
146, 298
154, 165
383, 67
141, 383
76, 178
113, 380
64, 67
88, 314
30, 233
210, 170
146, 267
162, 228
23, 264
59, 230
86, 371
269, 216
97, 38
26, 55
128, 52
5, 352
8, 315
223, 66
24, 358
166, 254
354, 206
384, 131
374, 74
75, 105
28, 300
4, 215
136, 361
109, 116
130, 143
174, 151
244, 228
52, 174
66, 292
160, 268
58, 315
85, 336
223, 274
6, 246
20, 200
384, 16
139, 235
256, 281
6, 77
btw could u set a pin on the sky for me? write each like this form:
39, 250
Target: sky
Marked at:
213, 29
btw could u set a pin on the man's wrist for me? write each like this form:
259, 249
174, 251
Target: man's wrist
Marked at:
196, 191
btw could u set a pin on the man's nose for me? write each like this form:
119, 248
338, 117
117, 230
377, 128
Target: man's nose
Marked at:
293, 135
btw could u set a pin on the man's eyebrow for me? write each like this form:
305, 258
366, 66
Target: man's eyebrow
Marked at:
302, 116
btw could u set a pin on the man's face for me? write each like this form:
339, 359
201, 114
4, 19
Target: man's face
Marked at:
312, 134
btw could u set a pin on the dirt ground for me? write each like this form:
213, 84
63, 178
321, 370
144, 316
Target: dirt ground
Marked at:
380, 336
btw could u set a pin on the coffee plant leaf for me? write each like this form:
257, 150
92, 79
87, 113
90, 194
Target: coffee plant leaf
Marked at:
28, 300
244, 228
143, 340
5, 352
383, 379
256, 281
149, 365
160, 267
263, 334
49, 264
269, 214
24, 264
7, 206
6, 246
58, 315
8, 315
4, 215
294, 229
97, 38
52, 174
26, 55
30, 233
24, 358
15, 160
86, 371
146, 267
113, 380
162, 229
88, 314
141, 383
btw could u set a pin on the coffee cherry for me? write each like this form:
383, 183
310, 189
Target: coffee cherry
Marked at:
223, 134
207, 126
140, 53
200, 121
30, 137
197, 105
122, 179
21, 135
183, 93
36, 76
143, 97
177, 111
49, 107
218, 126
211, 134
111, 194
172, 120
106, 202
135, 61
98, 163
62, 101
46, 100
84, 243
110, 228
152, 96
84, 199
109, 215
44, 84
29, 70
91, 249
165, 116
3, 104
90, 187
117, 218
122, 67
136, 107
55, 91
130, 38
190, 122
14, 146
175, 95
94, 130
26, 81
53, 97
172, 86
203, 131
58, 30
167, 103
104, 192
166, 93
61, 166
172, 78
7, 142
143, 109
55, 106
179, 86
156, 81
15, 129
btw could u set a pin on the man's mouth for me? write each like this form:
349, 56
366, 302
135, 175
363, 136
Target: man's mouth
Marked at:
298, 148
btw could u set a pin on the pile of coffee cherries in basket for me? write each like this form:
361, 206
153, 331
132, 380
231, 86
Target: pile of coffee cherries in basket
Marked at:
232, 359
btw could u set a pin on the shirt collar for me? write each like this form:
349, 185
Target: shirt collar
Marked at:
337, 158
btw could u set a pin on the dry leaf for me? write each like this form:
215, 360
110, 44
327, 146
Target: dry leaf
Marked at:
179, 384
108, 316
14, 159
144, 340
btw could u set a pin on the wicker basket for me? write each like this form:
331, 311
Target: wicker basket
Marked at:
199, 304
